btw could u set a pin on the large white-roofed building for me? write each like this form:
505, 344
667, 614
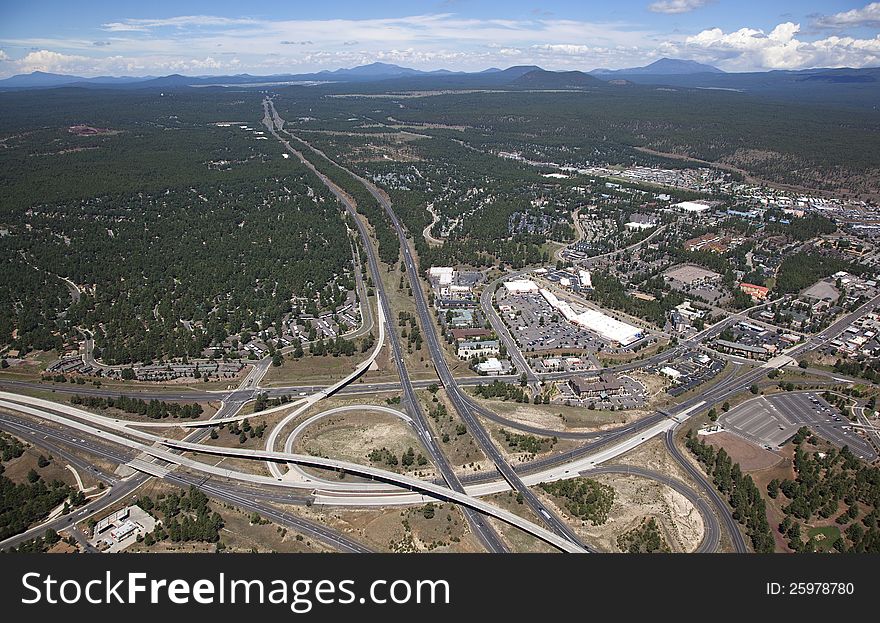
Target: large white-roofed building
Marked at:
593, 320
692, 206
521, 286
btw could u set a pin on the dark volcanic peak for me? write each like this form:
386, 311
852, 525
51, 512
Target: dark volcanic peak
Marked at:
520, 70
374, 70
665, 67
542, 79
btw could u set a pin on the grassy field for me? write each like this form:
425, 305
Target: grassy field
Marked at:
824, 537
401, 529
418, 362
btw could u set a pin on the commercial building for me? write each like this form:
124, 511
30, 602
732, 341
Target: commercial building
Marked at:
123, 531
442, 273
596, 388
641, 221
693, 207
672, 373
586, 279
692, 276
491, 366
466, 350
607, 327
521, 286
745, 350
464, 334
714, 243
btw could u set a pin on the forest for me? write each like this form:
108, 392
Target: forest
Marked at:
184, 517
749, 508
585, 498
803, 269
23, 504
154, 409
833, 484
178, 233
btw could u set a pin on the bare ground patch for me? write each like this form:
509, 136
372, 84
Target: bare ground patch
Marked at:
637, 498
750, 457
401, 529
353, 436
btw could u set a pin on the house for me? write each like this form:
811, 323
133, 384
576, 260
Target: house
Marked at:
758, 293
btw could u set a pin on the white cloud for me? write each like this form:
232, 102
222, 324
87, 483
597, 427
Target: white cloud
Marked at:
55, 62
866, 17
563, 48
193, 43
48, 61
425, 41
183, 21
677, 6
3, 56
749, 48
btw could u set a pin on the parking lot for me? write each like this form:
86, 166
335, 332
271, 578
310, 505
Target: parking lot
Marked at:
695, 369
771, 421
532, 324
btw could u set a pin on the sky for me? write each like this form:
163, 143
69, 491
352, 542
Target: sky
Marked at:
159, 37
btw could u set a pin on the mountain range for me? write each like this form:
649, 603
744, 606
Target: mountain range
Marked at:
843, 87
363, 73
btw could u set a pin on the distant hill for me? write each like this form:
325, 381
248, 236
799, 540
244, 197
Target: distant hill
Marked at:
543, 79
373, 70
854, 88
41, 79
663, 67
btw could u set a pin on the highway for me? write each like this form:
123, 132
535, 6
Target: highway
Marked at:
456, 396
115, 431
410, 402
708, 489
257, 500
600, 446
733, 384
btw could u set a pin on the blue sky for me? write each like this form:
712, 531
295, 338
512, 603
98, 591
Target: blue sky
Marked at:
197, 38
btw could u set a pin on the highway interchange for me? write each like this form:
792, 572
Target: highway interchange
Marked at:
49, 425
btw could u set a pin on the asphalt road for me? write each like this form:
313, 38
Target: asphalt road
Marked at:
708, 490
453, 391
712, 530
253, 499
410, 402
